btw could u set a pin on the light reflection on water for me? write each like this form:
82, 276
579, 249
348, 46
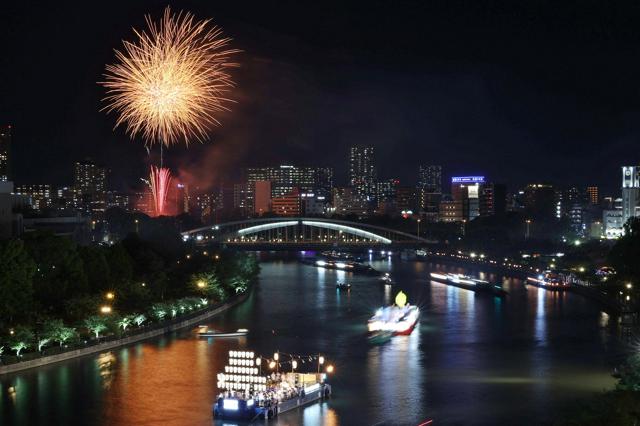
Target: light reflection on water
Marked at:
473, 359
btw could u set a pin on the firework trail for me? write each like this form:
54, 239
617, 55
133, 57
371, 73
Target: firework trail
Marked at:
168, 84
159, 181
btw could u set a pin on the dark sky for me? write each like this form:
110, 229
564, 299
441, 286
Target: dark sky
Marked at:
518, 91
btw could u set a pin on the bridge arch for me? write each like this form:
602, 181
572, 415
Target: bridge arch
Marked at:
301, 230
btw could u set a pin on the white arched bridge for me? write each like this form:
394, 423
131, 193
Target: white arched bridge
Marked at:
301, 232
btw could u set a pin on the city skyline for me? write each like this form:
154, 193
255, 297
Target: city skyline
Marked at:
464, 119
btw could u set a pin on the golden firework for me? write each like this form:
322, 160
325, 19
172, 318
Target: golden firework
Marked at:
168, 85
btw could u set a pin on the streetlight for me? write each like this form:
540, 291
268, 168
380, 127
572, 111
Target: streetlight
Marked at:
136, 221
527, 234
329, 369
201, 284
418, 235
110, 295
105, 309
276, 357
320, 362
294, 365
629, 286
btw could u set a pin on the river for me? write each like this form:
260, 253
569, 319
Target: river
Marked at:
473, 359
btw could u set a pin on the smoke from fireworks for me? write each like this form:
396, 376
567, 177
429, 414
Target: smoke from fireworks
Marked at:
168, 85
159, 181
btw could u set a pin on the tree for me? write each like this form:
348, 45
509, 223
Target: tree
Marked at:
60, 274
96, 324
159, 311
42, 340
139, 319
625, 253
208, 284
630, 375
124, 322
22, 338
58, 332
16, 281
96, 268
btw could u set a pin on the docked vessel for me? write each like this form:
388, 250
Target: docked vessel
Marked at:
399, 318
549, 280
469, 283
249, 395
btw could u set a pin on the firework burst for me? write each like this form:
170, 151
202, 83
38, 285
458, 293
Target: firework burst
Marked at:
159, 181
168, 85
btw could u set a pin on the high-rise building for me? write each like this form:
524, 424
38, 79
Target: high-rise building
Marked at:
262, 197
362, 171
406, 200
242, 199
318, 180
593, 195
466, 189
430, 178
288, 204
39, 195
90, 183
540, 201
430, 190
630, 192
387, 189
493, 199
5, 153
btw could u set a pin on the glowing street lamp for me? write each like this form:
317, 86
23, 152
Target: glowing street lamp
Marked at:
329, 369
201, 284
105, 309
320, 362
110, 295
629, 286
294, 365
276, 357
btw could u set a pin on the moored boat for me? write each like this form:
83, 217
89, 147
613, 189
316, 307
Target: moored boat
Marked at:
469, 283
549, 280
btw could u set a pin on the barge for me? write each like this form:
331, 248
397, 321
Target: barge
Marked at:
247, 395
549, 280
468, 283
341, 265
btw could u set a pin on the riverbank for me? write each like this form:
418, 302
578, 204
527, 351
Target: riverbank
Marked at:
143, 334
607, 304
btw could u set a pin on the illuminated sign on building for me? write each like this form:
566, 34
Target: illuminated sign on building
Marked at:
467, 179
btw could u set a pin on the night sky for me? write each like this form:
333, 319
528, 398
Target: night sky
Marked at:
542, 91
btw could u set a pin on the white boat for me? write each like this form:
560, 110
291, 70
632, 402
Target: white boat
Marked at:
399, 318
213, 333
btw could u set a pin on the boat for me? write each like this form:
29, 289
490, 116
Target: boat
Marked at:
249, 395
469, 283
213, 333
386, 279
343, 286
380, 337
399, 318
341, 265
549, 280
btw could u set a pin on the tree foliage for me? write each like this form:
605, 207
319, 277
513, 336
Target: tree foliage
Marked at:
17, 270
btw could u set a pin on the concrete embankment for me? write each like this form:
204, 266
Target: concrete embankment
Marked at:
153, 331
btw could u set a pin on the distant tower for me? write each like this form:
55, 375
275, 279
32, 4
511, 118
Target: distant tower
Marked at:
630, 192
5, 153
430, 178
362, 171
90, 182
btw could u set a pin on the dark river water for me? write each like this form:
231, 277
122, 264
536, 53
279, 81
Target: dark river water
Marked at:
473, 359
